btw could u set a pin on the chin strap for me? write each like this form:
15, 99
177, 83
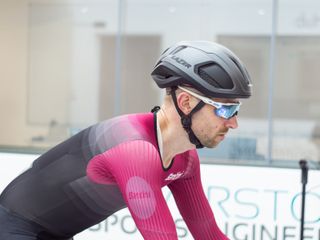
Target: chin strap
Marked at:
186, 119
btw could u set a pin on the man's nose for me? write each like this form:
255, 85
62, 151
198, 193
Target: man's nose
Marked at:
232, 122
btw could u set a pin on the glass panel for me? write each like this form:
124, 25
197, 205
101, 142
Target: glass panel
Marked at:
243, 27
54, 71
248, 143
65, 66
248, 34
296, 90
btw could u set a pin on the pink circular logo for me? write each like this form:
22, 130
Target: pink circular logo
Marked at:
140, 197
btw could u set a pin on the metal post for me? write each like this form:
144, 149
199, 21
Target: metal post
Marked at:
272, 76
118, 59
304, 180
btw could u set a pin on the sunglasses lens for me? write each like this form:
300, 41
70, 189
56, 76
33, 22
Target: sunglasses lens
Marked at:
227, 111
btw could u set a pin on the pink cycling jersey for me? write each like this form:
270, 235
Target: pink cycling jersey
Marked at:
104, 168
136, 168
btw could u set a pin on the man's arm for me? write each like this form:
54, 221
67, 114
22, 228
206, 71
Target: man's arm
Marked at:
194, 206
136, 168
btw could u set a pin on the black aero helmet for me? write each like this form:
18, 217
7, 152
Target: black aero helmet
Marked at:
208, 67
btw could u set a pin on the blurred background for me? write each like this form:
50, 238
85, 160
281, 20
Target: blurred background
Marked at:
67, 64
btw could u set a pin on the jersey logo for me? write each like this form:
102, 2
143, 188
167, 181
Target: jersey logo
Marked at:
174, 176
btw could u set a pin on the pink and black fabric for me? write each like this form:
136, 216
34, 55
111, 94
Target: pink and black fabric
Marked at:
104, 168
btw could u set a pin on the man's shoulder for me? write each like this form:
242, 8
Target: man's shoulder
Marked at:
130, 124
122, 129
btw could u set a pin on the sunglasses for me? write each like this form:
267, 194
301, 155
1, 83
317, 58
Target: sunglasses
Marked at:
224, 110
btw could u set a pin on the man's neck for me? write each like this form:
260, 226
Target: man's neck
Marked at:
174, 138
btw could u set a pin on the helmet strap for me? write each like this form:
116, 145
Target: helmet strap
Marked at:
186, 120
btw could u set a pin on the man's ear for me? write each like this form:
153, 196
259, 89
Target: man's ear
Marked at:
185, 102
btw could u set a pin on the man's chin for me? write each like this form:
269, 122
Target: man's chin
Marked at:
212, 145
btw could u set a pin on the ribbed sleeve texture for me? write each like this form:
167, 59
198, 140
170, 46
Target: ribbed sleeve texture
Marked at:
136, 168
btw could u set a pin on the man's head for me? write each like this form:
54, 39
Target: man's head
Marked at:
207, 78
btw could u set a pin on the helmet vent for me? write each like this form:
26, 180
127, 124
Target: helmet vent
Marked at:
178, 49
211, 72
164, 72
243, 71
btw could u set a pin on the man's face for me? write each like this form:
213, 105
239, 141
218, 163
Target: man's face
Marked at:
210, 128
